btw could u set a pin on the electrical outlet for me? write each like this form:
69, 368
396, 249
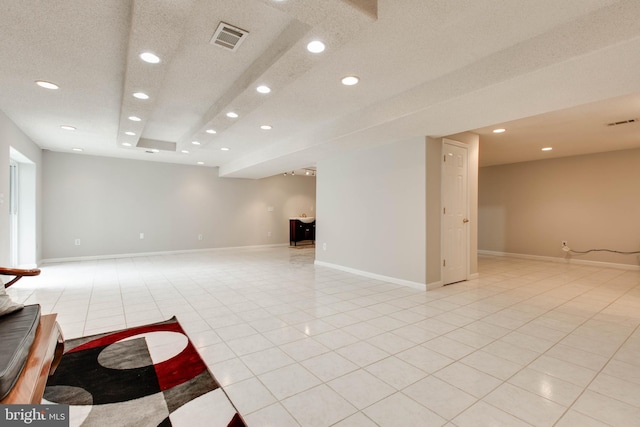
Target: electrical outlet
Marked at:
77, 242
324, 246
200, 236
268, 234
564, 243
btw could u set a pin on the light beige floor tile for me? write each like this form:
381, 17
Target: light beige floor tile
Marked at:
611, 411
272, 416
249, 395
564, 370
547, 386
318, 407
616, 388
482, 414
289, 380
360, 388
492, 365
362, 353
425, 359
440, 397
527, 406
468, 379
396, 372
576, 419
448, 347
329, 366
356, 420
400, 410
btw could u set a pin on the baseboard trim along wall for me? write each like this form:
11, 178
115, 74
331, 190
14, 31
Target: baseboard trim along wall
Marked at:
142, 254
562, 260
395, 280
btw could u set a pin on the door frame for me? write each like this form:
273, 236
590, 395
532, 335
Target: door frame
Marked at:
467, 250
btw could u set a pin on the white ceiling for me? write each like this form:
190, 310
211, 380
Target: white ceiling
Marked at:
427, 67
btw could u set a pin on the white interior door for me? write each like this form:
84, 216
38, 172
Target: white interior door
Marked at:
455, 236
13, 214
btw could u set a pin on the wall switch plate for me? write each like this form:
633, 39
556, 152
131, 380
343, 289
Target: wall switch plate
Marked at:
200, 237
77, 242
324, 246
270, 209
141, 236
268, 234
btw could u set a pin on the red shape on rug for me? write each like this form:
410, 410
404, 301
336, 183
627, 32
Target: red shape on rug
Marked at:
179, 369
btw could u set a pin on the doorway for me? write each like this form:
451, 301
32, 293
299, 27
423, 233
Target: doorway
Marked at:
455, 211
22, 211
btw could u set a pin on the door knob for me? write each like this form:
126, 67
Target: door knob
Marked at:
465, 220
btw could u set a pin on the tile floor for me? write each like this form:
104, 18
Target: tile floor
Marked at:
528, 343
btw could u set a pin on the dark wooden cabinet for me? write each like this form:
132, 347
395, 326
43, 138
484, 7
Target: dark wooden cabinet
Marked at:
300, 231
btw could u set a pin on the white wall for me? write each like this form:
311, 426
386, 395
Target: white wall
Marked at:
12, 136
371, 211
107, 202
592, 201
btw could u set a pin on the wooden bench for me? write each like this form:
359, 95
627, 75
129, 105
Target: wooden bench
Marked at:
44, 355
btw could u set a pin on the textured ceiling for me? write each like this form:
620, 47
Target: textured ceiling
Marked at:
547, 70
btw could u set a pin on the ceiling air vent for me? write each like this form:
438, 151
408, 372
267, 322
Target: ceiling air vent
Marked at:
228, 36
623, 122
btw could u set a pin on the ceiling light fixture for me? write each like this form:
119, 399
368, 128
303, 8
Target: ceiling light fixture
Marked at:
547, 149
126, 144
135, 118
149, 57
232, 115
200, 163
316, 46
350, 80
77, 149
130, 133
185, 151
47, 85
67, 127
155, 150
141, 95
224, 149
499, 130
211, 131
266, 127
263, 89
195, 142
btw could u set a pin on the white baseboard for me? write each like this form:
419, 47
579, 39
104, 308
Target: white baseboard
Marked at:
562, 260
434, 285
395, 280
144, 254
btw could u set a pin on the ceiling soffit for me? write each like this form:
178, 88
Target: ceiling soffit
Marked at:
197, 83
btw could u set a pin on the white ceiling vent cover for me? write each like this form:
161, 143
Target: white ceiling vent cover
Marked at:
228, 36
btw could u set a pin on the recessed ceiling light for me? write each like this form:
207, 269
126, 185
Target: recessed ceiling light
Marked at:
263, 89
77, 149
266, 127
350, 80
232, 115
67, 127
211, 131
130, 133
126, 144
47, 85
499, 130
316, 46
201, 163
155, 150
135, 118
195, 142
149, 57
185, 151
547, 149
141, 95
224, 149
